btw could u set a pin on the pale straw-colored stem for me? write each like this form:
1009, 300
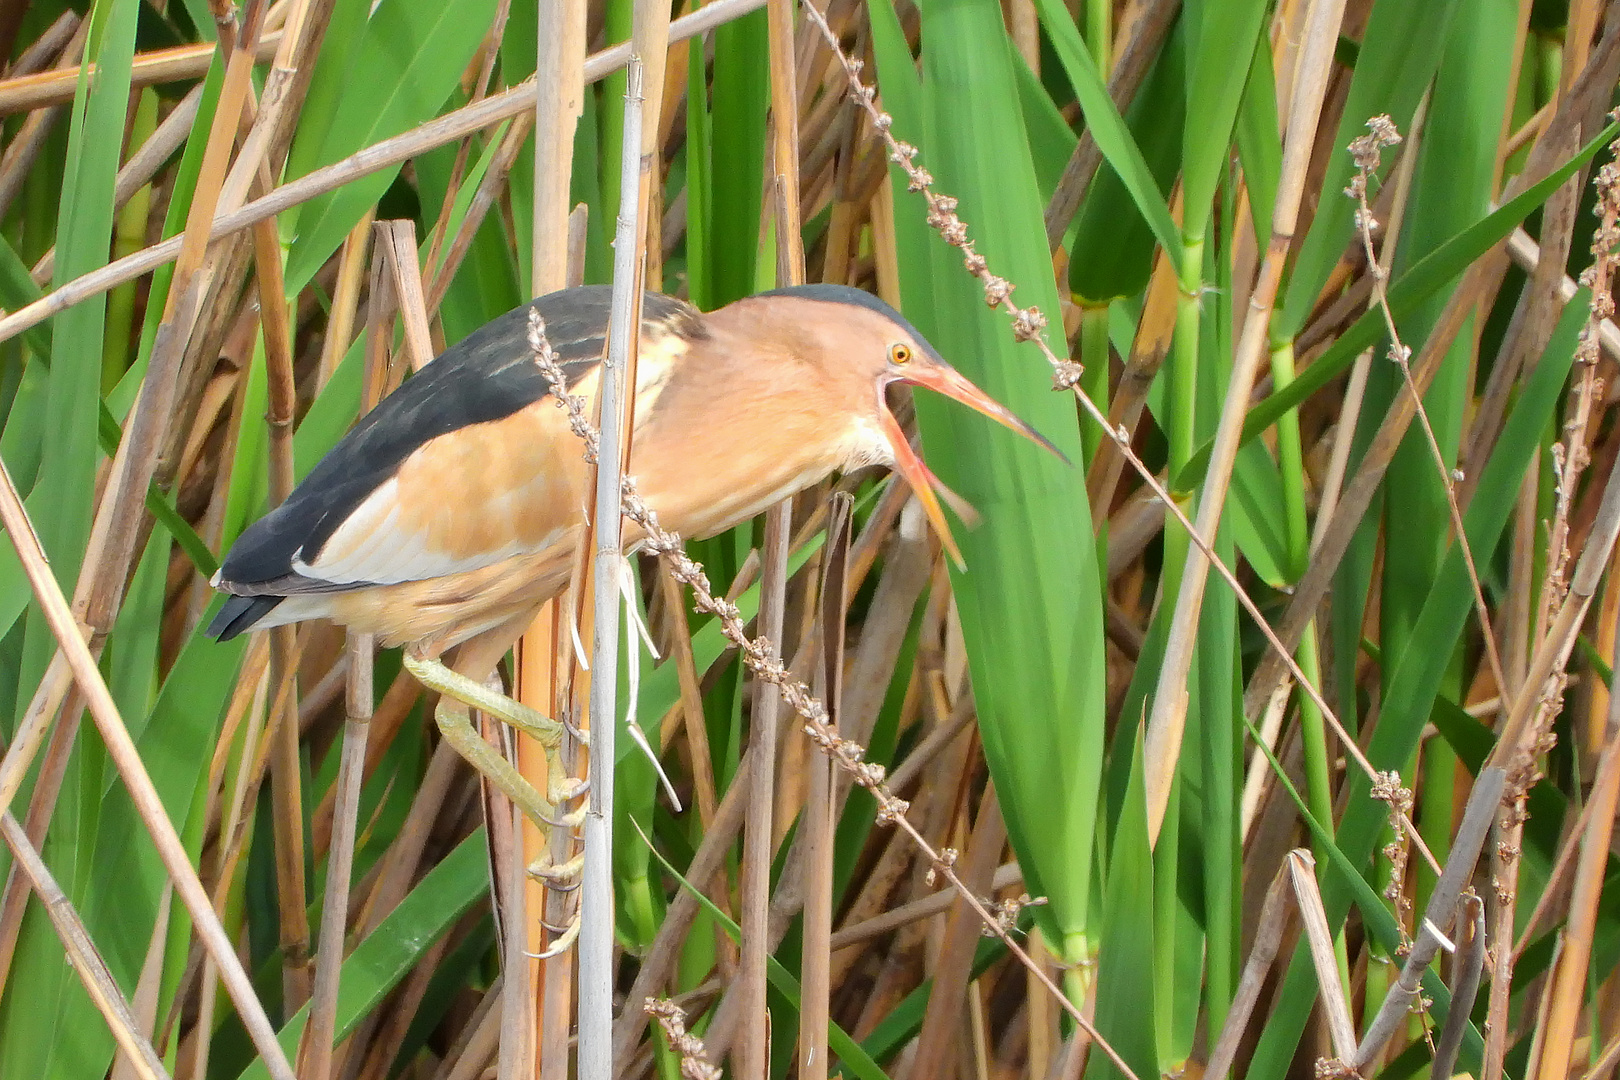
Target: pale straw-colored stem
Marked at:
596, 900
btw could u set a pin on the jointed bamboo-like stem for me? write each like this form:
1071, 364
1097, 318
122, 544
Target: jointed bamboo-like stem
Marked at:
546, 990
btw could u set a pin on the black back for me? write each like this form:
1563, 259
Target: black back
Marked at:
486, 376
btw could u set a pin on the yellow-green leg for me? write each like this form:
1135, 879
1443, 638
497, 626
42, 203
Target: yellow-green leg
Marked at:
458, 695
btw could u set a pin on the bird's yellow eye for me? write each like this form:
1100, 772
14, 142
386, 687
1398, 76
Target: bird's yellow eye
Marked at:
899, 353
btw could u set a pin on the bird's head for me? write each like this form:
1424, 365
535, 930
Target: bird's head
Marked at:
883, 349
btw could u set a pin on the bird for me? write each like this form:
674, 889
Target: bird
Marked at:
453, 510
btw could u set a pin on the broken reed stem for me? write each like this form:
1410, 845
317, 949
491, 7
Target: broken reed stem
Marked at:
759, 656
1366, 151
1028, 324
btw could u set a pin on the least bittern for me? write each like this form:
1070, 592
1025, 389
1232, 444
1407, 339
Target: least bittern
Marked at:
453, 510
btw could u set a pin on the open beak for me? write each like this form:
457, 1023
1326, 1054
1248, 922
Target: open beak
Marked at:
950, 382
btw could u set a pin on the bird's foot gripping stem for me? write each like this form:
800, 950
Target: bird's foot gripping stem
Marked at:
458, 695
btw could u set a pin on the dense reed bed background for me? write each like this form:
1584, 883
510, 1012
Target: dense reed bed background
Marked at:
259, 860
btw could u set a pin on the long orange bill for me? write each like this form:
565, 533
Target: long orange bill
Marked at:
943, 379
950, 382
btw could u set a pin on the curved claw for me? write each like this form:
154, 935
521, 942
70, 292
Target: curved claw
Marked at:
571, 820
580, 735
567, 936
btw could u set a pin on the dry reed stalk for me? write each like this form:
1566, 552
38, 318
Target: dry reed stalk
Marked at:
345, 298
150, 69
397, 868
453, 125
751, 1054
691, 703
613, 402
316, 1047
819, 815
387, 720
45, 47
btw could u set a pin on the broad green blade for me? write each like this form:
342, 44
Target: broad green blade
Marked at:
1029, 599
1126, 1007
39, 1030
1219, 58
1114, 245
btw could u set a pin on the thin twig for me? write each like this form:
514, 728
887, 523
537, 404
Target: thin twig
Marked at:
1366, 151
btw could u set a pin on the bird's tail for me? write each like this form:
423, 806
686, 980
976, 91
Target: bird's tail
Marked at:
239, 614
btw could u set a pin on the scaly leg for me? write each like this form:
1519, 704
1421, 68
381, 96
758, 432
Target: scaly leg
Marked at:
457, 695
